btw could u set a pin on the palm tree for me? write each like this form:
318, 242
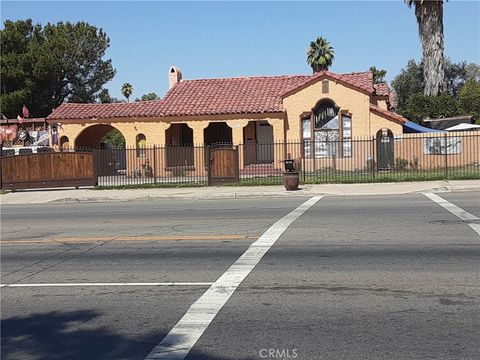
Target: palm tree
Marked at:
127, 90
320, 55
429, 15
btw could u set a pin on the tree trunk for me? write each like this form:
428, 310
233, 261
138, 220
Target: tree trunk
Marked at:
429, 15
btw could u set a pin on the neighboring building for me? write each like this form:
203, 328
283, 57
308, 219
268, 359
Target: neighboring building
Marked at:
447, 122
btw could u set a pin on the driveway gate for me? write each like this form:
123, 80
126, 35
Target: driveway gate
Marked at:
44, 170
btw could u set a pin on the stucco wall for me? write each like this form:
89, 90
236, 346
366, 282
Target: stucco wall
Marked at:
357, 103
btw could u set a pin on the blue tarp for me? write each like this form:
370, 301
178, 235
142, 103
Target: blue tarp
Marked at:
411, 127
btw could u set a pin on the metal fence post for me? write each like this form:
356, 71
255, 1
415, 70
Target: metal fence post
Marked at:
155, 164
446, 158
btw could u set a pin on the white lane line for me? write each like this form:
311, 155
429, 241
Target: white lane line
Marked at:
475, 227
455, 210
111, 284
183, 336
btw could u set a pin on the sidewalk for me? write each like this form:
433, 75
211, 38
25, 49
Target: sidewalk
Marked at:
233, 192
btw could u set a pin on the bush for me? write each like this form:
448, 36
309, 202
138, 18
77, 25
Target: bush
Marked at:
401, 164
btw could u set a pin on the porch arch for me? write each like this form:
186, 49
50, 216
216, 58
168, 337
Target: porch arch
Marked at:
92, 136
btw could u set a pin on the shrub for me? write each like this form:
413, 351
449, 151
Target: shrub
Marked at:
401, 164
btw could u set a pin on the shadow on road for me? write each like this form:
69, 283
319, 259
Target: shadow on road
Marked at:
71, 335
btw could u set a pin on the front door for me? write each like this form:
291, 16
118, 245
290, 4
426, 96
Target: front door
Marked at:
223, 165
385, 153
264, 142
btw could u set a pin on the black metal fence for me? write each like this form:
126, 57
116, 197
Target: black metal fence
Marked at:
401, 158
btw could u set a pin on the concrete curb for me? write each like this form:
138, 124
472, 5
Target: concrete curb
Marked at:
212, 193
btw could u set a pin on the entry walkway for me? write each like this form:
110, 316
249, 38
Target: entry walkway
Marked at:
225, 192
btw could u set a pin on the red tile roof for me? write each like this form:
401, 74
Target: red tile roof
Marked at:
388, 114
102, 111
392, 99
382, 89
243, 95
362, 81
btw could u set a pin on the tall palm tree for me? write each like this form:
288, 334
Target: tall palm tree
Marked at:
127, 90
320, 54
429, 15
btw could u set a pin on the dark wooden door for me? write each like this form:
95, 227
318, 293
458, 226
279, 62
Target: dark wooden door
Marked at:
223, 165
385, 151
250, 144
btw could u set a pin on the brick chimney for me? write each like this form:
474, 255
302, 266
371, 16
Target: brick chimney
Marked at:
174, 76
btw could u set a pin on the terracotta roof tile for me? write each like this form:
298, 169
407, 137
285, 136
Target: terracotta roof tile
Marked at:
382, 89
242, 95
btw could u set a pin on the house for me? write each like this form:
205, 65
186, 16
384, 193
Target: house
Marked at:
245, 110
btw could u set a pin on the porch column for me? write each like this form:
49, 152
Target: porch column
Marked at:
237, 137
280, 151
198, 142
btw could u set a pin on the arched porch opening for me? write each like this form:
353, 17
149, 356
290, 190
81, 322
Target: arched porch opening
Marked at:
109, 147
217, 133
96, 135
258, 143
179, 146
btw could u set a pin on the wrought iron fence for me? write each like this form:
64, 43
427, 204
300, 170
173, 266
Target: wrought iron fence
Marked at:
405, 157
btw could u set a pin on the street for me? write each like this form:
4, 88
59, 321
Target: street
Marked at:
332, 277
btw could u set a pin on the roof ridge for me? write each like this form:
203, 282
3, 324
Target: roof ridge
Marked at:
357, 72
249, 77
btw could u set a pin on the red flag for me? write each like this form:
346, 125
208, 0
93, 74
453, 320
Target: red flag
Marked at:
20, 119
25, 111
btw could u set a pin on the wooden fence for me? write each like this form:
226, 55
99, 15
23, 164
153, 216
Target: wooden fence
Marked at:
47, 170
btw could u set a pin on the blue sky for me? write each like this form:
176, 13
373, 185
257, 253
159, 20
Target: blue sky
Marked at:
230, 39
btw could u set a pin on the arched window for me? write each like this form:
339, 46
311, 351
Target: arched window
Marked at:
328, 130
64, 143
141, 142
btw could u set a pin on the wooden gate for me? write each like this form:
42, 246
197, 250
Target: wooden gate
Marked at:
223, 165
57, 169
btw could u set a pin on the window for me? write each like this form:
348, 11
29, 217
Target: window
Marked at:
325, 87
328, 131
141, 141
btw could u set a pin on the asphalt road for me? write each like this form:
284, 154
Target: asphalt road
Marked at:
378, 277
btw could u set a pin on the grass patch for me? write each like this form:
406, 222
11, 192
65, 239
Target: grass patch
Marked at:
151, 186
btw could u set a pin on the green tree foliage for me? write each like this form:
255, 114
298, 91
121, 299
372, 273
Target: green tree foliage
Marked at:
378, 74
470, 98
408, 83
105, 98
115, 138
420, 107
127, 90
320, 55
45, 66
148, 97
413, 105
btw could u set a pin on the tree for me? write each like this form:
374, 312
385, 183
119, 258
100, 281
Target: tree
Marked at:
45, 66
420, 107
320, 55
473, 71
104, 96
148, 97
430, 27
127, 90
470, 98
115, 138
378, 75
408, 83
